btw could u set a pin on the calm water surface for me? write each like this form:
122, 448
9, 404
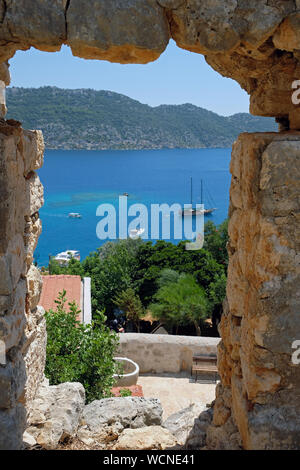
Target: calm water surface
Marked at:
78, 181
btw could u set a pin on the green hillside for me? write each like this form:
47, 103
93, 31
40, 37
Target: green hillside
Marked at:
89, 119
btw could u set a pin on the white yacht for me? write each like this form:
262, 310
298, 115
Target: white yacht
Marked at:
64, 257
135, 233
194, 211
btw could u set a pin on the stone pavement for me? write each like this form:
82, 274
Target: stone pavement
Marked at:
177, 391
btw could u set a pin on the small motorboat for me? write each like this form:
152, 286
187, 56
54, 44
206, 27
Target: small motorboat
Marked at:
74, 215
64, 257
136, 233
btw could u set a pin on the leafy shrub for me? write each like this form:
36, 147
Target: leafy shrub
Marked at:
129, 303
181, 303
125, 392
80, 353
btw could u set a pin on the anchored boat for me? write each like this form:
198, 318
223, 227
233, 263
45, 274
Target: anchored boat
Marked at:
134, 234
64, 257
193, 210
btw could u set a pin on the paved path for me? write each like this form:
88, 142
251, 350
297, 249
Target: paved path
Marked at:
176, 392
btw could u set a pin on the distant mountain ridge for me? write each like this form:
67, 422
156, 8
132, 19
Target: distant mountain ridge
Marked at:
101, 120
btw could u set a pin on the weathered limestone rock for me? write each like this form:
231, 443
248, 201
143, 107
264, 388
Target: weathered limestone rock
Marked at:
33, 150
34, 286
11, 179
37, 23
245, 41
104, 420
33, 230
218, 26
12, 424
196, 438
260, 384
28, 440
5, 278
4, 73
204, 27
137, 31
22, 327
255, 42
34, 194
13, 376
34, 352
150, 438
287, 36
181, 424
56, 412
224, 437
12, 324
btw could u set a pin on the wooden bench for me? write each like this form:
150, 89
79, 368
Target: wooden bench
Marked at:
202, 364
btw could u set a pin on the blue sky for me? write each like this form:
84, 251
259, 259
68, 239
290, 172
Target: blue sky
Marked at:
177, 77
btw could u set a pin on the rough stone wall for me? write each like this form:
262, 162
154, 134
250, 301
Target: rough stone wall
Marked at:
255, 42
164, 353
22, 325
260, 389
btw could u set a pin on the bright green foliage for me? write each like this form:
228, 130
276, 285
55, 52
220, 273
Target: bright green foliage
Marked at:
79, 353
181, 302
74, 268
167, 275
144, 267
125, 392
130, 303
152, 259
215, 241
112, 269
217, 290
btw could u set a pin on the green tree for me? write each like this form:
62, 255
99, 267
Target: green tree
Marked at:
134, 264
166, 276
215, 241
74, 267
181, 303
112, 269
153, 258
79, 353
217, 290
130, 303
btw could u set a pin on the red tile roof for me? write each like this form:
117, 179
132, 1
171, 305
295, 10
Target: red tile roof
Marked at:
53, 285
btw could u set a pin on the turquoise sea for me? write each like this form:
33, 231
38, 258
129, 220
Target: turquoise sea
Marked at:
78, 181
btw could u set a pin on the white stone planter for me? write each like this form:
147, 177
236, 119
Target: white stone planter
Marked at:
130, 373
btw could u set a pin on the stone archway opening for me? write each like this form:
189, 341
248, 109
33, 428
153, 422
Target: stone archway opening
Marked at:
255, 43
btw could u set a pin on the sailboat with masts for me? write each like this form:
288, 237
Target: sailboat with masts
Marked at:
193, 210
